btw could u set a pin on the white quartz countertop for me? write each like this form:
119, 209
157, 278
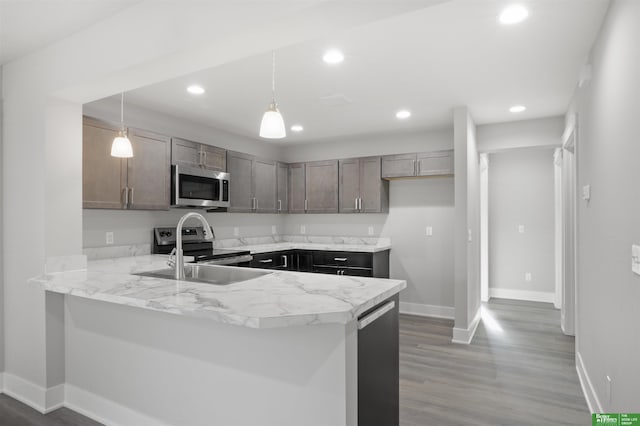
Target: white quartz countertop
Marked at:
279, 299
281, 246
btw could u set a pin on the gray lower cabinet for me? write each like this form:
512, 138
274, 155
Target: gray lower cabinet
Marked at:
297, 192
321, 186
195, 154
253, 183
282, 191
435, 163
141, 182
362, 189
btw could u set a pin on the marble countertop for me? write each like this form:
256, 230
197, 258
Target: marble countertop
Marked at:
279, 299
286, 245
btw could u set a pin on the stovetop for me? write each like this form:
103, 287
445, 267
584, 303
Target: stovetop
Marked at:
193, 244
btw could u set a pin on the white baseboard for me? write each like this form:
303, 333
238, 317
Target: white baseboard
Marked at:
465, 335
531, 296
423, 310
587, 387
35, 396
104, 410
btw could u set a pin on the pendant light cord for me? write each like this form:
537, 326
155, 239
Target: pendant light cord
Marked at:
273, 77
122, 112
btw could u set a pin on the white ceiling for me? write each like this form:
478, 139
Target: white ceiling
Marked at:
29, 25
444, 53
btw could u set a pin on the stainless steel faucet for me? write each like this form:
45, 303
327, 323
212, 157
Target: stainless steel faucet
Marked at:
208, 235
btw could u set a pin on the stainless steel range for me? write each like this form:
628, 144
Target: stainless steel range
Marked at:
194, 244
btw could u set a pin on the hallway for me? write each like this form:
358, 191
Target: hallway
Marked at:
518, 370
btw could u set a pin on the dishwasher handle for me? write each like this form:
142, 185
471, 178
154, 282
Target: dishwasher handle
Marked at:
376, 314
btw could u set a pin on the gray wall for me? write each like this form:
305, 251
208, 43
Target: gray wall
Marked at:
608, 150
1, 239
521, 192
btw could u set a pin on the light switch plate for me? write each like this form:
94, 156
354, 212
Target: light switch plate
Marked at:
469, 239
635, 259
108, 236
236, 231
527, 277
521, 229
586, 192
370, 230
429, 231
303, 229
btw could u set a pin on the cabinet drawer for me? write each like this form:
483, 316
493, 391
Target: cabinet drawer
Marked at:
343, 259
337, 270
273, 260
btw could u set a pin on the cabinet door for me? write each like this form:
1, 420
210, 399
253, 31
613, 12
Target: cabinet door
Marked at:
185, 153
321, 181
103, 176
148, 171
214, 158
240, 168
349, 185
282, 178
374, 192
264, 185
297, 192
401, 165
435, 163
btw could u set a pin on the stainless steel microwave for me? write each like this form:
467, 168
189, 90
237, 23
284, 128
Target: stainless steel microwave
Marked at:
197, 187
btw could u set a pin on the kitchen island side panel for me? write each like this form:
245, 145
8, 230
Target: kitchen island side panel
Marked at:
180, 370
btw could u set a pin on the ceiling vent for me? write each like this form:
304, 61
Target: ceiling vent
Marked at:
335, 100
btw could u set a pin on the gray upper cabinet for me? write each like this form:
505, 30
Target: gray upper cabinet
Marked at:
282, 190
400, 165
349, 185
374, 192
104, 178
141, 182
195, 154
321, 185
148, 175
297, 190
435, 163
264, 186
240, 168
253, 183
362, 189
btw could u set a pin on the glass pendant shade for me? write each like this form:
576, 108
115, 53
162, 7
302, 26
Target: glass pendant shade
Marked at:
121, 147
272, 126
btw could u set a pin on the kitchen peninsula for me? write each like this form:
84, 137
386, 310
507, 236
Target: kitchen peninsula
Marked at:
279, 349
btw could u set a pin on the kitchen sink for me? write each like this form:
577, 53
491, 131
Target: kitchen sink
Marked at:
210, 274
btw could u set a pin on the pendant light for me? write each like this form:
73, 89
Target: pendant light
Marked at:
272, 126
121, 146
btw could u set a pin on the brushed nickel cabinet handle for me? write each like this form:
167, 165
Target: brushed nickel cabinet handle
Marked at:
418, 174
279, 205
340, 259
131, 196
284, 261
266, 261
414, 167
306, 205
356, 204
125, 191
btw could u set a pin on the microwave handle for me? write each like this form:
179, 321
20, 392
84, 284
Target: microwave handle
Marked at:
131, 195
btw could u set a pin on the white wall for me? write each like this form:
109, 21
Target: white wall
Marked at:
541, 133
1, 239
467, 227
608, 293
521, 193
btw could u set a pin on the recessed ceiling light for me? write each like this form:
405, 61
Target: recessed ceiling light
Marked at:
297, 128
513, 14
195, 89
403, 114
517, 108
333, 56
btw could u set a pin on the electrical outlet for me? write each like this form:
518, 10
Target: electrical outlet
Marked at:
236, 231
527, 277
521, 229
274, 231
469, 239
370, 230
303, 229
108, 236
429, 231
586, 192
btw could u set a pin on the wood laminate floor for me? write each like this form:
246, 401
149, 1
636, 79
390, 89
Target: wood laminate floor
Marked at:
519, 370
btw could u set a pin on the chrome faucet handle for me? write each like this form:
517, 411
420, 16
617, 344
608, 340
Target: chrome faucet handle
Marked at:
172, 258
